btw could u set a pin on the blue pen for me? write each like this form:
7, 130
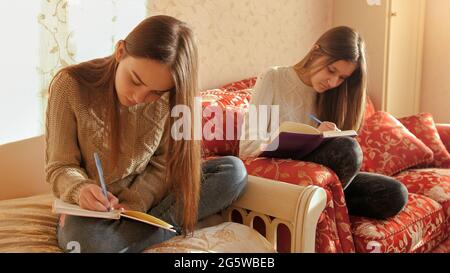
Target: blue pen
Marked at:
311, 116
100, 175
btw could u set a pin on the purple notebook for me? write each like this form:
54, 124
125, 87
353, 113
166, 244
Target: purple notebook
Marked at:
290, 144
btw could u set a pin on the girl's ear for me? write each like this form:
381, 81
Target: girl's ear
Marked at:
120, 50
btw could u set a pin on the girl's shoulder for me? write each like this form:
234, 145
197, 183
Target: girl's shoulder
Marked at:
64, 82
64, 88
276, 75
276, 71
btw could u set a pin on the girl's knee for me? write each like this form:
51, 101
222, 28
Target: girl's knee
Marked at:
376, 196
392, 200
236, 174
345, 158
398, 198
237, 169
350, 147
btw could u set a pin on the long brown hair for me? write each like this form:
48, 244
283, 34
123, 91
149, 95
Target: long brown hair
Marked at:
170, 42
345, 104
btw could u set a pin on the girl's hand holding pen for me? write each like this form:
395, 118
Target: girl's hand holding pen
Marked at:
91, 197
327, 126
324, 125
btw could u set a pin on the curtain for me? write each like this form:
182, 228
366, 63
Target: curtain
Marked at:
39, 37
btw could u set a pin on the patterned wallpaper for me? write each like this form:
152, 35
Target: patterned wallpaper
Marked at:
242, 38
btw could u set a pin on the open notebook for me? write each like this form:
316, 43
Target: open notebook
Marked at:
298, 139
61, 207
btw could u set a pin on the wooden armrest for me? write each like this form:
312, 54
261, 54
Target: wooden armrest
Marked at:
276, 202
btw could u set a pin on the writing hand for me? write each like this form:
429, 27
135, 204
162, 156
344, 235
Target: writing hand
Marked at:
327, 126
91, 197
121, 207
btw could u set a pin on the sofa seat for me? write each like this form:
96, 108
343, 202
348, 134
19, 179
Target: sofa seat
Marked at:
433, 183
28, 225
444, 247
419, 227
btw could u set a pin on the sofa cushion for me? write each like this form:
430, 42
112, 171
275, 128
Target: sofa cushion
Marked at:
240, 85
224, 98
227, 237
389, 147
443, 247
433, 183
223, 113
28, 225
423, 127
444, 133
420, 226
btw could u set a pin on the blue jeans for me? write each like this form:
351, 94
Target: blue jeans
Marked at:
223, 181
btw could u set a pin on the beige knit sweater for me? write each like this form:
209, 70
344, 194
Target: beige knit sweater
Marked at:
75, 129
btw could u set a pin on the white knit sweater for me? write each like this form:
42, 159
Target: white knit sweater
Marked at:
278, 86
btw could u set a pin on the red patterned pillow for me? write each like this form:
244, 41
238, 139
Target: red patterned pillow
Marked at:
223, 98
240, 85
389, 147
222, 108
423, 127
444, 133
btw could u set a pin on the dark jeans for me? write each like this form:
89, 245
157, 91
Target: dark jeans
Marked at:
223, 181
366, 194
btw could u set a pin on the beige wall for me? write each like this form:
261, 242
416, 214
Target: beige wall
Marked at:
435, 96
241, 38
371, 22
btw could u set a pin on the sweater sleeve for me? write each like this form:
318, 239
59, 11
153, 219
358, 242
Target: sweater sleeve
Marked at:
62, 156
149, 187
263, 94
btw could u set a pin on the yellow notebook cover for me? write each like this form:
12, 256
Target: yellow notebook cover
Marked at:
61, 207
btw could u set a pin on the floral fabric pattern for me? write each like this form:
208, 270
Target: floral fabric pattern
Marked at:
389, 147
444, 133
431, 183
423, 127
444, 247
219, 108
240, 85
333, 233
421, 225
227, 237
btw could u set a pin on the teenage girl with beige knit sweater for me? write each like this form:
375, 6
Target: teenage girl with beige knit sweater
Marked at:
119, 107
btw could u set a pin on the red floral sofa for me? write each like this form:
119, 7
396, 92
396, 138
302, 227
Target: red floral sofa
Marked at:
414, 150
